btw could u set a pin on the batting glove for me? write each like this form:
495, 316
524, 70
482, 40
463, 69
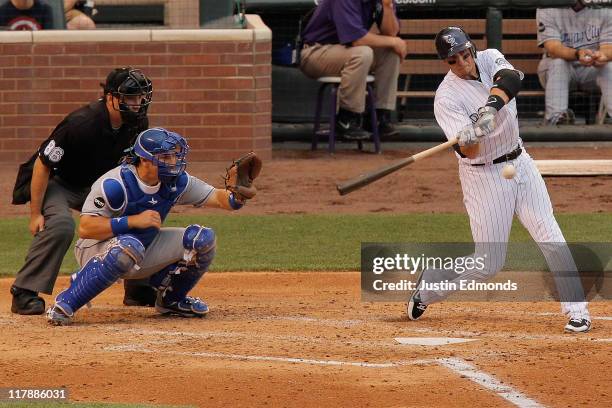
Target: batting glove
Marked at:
486, 119
469, 135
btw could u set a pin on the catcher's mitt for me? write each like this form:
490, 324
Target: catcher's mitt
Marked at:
240, 175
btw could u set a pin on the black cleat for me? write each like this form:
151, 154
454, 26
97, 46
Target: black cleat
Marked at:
26, 302
578, 325
415, 307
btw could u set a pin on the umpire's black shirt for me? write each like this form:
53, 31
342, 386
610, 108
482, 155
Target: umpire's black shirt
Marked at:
84, 146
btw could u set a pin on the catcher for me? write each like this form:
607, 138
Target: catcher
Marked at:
121, 234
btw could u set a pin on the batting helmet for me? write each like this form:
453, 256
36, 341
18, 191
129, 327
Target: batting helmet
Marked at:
166, 149
452, 40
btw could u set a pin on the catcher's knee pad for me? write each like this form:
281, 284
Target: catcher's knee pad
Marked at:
200, 244
102, 271
176, 280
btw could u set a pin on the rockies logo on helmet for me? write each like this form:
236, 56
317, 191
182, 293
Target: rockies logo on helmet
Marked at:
452, 40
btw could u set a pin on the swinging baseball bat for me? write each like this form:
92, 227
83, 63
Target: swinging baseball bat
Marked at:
367, 178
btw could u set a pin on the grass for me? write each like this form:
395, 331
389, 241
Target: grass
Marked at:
313, 242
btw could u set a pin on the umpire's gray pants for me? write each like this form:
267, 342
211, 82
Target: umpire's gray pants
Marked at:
558, 77
166, 249
47, 250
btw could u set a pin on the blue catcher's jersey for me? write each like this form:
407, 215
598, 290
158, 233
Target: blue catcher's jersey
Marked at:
121, 193
139, 201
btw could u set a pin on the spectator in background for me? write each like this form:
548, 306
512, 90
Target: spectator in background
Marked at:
78, 14
578, 44
26, 15
341, 39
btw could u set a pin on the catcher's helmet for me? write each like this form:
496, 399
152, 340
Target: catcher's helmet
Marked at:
452, 40
166, 149
125, 82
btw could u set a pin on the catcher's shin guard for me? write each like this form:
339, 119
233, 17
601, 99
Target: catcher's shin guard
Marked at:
175, 281
101, 272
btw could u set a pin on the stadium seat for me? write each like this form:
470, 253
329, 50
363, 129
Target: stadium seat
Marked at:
334, 81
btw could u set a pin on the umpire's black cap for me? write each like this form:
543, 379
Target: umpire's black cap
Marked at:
452, 40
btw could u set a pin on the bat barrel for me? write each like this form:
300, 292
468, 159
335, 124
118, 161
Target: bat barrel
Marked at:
365, 179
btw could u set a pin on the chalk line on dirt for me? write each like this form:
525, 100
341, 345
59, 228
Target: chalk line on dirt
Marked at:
489, 382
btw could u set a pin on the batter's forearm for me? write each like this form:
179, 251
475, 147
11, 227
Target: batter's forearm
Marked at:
38, 186
501, 94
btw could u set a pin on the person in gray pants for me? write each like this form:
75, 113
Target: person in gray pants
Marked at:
578, 45
57, 178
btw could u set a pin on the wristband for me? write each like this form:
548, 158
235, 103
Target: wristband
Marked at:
119, 225
577, 54
495, 101
234, 203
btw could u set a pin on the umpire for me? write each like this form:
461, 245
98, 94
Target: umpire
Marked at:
57, 178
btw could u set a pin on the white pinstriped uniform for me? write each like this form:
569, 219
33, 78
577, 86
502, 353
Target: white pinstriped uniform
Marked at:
492, 201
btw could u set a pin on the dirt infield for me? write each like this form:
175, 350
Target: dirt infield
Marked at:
305, 339
298, 182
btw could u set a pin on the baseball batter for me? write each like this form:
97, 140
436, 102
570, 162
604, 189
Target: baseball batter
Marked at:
475, 102
578, 44
121, 234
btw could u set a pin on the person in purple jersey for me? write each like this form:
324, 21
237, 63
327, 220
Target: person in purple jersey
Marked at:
121, 234
350, 39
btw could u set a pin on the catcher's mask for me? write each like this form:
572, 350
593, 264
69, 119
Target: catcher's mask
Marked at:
451, 40
133, 90
166, 149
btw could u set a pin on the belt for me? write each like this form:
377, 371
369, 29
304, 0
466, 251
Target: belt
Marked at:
506, 157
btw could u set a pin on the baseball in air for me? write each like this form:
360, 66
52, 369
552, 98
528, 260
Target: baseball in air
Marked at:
509, 171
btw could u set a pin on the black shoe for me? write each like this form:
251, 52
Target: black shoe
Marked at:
415, 307
139, 295
387, 130
26, 302
348, 126
578, 325
385, 126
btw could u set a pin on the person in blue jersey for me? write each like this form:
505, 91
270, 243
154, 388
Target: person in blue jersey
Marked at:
121, 234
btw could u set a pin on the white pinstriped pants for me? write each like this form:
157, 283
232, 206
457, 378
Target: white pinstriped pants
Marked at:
491, 202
